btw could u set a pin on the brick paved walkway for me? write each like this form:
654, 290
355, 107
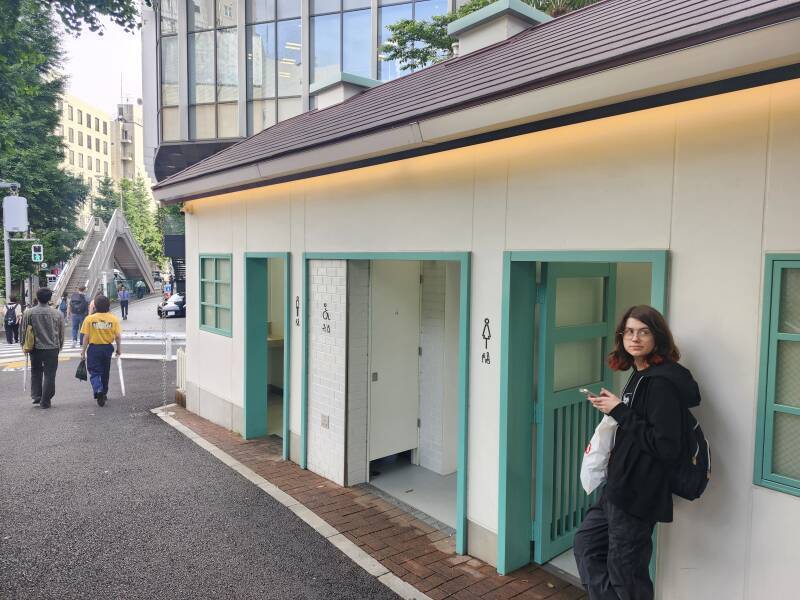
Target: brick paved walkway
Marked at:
411, 549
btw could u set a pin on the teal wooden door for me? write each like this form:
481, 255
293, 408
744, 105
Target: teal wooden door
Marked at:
576, 331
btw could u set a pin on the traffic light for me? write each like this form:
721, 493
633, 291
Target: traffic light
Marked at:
37, 253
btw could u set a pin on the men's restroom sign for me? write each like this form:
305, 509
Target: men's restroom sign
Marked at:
297, 311
486, 334
326, 316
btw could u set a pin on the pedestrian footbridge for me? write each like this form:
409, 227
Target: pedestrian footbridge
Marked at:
105, 247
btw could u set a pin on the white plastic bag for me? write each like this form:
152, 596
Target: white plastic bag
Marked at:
594, 468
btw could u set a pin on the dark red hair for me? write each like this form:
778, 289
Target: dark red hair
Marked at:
664, 349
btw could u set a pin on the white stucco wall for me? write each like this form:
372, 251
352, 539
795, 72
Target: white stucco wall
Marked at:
715, 181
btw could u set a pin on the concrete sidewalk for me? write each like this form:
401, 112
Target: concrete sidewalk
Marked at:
112, 503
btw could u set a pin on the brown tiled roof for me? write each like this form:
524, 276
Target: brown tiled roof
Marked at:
604, 35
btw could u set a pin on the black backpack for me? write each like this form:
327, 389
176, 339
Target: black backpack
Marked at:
78, 304
11, 314
690, 476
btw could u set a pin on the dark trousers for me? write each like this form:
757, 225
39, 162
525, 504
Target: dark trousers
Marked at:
98, 363
139, 292
77, 321
12, 333
123, 305
613, 549
44, 364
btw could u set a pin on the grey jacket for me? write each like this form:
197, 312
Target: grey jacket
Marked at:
48, 327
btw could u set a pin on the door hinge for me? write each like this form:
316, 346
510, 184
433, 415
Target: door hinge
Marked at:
419, 348
375, 376
420, 278
540, 292
419, 423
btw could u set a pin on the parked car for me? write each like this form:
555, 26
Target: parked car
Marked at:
175, 306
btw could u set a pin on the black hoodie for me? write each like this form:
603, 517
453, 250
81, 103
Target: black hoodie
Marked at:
648, 439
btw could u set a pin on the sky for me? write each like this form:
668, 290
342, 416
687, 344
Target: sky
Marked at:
94, 65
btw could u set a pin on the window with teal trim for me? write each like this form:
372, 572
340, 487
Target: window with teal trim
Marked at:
778, 465
215, 293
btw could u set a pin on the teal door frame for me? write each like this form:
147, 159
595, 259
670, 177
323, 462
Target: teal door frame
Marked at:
256, 348
516, 383
463, 258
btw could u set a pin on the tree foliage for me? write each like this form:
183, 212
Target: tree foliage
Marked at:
418, 44
141, 217
77, 14
107, 199
30, 151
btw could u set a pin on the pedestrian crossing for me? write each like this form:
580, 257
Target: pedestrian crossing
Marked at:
9, 352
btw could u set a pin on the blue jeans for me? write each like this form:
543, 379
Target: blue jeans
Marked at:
77, 321
98, 363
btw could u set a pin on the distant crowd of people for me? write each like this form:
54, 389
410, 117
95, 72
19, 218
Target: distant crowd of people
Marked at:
41, 330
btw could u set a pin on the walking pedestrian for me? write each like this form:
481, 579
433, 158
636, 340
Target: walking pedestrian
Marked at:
47, 324
77, 311
100, 331
124, 296
12, 315
140, 286
63, 306
613, 545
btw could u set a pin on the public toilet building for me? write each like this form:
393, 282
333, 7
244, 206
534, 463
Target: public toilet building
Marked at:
409, 284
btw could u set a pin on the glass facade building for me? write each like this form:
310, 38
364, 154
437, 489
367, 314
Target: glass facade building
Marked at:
230, 68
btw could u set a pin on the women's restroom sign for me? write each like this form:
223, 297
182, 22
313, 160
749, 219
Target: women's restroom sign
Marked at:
297, 311
486, 334
326, 316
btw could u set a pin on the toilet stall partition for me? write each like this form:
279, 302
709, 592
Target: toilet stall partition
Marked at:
576, 332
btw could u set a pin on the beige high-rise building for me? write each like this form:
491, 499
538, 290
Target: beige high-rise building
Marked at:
86, 131
99, 145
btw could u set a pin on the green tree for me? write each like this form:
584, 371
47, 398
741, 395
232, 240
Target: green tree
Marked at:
78, 14
141, 217
107, 199
417, 44
30, 151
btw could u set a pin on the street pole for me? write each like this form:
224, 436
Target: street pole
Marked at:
14, 187
7, 261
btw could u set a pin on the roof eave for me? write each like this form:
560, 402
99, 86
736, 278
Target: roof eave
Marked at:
764, 48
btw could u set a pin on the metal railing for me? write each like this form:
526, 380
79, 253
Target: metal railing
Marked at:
101, 259
69, 267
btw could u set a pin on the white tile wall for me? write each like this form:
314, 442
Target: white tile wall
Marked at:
431, 381
327, 361
357, 369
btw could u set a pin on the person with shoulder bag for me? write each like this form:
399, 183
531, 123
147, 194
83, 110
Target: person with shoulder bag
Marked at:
43, 338
613, 545
101, 330
77, 311
12, 315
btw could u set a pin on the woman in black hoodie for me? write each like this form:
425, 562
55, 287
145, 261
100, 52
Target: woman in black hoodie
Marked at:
614, 543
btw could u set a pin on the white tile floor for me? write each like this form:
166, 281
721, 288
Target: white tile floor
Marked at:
274, 414
565, 563
433, 494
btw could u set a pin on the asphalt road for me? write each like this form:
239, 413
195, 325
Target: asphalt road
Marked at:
113, 503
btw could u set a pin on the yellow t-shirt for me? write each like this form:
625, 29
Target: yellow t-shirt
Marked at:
101, 328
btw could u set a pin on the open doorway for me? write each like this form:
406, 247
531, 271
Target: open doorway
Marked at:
560, 313
266, 358
403, 381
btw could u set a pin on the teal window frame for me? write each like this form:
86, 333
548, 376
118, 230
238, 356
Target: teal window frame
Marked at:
229, 307
774, 266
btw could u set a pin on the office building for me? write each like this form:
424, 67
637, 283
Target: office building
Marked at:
218, 71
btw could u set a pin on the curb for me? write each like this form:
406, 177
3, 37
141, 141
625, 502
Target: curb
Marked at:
352, 551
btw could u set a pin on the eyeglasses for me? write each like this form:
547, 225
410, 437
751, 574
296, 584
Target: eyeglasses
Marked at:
629, 333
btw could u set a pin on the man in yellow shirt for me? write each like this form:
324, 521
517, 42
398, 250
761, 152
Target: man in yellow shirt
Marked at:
100, 330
